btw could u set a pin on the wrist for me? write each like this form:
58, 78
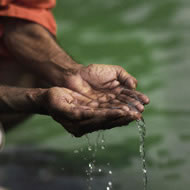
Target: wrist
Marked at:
21, 100
37, 98
65, 67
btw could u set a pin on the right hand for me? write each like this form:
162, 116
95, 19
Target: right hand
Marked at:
80, 115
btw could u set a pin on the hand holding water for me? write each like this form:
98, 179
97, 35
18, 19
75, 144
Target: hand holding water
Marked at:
98, 81
80, 115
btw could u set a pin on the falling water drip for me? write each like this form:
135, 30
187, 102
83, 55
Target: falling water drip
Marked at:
76, 151
142, 133
93, 148
103, 142
109, 184
91, 164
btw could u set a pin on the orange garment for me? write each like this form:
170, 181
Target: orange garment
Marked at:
38, 11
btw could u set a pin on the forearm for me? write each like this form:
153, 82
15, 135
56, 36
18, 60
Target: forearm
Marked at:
21, 100
35, 48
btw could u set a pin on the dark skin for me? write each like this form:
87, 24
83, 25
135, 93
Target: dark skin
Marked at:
94, 97
77, 113
38, 52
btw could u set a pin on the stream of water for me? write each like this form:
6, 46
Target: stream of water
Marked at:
94, 148
142, 133
92, 165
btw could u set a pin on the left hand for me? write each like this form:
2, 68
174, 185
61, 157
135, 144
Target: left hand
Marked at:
105, 83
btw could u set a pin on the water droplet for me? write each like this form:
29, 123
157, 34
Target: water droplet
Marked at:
102, 147
90, 165
110, 172
144, 171
91, 179
107, 188
89, 148
99, 170
110, 183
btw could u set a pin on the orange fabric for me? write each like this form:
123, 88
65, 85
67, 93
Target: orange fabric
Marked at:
4, 2
37, 11
44, 4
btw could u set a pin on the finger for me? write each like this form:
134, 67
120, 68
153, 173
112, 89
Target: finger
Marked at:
132, 102
117, 105
137, 95
126, 79
105, 97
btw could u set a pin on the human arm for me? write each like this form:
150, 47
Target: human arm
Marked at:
76, 113
35, 49
39, 52
21, 100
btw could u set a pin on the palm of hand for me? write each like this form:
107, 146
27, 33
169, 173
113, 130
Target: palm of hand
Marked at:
96, 79
107, 83
79, 114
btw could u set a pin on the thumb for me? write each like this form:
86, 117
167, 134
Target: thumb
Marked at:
126, 79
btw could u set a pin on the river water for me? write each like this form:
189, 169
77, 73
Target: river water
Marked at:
150, 39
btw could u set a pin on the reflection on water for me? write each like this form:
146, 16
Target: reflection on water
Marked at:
151, 40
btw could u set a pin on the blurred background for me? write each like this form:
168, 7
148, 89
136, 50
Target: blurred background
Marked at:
150, 39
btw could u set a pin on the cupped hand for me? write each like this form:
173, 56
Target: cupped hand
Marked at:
80, 115
98, 81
